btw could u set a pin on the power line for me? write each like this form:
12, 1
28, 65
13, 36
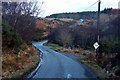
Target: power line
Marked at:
92, 5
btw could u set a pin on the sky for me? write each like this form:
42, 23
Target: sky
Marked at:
60, 6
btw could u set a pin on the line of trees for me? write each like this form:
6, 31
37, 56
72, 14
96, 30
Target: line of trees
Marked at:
82, 15
75, 15
77, 37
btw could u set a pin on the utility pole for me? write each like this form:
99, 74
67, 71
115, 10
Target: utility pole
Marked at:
98, 26
98, 21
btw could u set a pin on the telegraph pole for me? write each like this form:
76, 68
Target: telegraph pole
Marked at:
98, 21
98, 26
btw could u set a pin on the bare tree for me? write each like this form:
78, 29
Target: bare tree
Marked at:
65, 37
62, 35
22, 16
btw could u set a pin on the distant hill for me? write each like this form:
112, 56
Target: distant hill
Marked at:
75, 15
84, 15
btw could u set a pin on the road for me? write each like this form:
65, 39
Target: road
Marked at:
57, 65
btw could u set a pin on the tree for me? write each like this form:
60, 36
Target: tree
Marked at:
116, 27
85, 36
62, 36
21, 16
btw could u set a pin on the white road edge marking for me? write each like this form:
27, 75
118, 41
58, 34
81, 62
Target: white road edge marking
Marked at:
42, 62
69, 76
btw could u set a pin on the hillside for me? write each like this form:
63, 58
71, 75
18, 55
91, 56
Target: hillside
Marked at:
46, 25
84, 15
75, 15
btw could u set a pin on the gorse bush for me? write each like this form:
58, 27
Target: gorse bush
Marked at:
10, 38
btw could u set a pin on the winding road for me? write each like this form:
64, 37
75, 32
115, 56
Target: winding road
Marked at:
57, 65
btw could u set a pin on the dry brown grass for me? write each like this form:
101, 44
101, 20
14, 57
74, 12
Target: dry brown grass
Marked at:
15, 65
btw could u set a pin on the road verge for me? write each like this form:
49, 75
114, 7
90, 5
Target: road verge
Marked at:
21, 64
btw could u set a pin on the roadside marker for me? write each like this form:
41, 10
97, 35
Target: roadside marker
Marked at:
96, 45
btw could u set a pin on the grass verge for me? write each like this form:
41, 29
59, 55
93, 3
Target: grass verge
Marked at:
90, 63
21, 64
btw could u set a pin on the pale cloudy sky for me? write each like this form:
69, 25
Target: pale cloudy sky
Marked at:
59, 6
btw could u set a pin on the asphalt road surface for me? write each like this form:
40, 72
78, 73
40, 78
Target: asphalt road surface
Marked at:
57, 65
